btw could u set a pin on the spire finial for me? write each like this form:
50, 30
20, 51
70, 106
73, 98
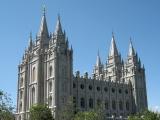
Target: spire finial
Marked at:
44, 10
98, 62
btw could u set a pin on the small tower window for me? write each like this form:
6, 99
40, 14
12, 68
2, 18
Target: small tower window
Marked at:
50, 71
50, 100
21, 94
21, 82
33, 74
20, 107
50, 86
33, 95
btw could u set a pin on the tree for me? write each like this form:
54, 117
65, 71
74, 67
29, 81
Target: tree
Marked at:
90, 115
6, 108
146, 115
40, 112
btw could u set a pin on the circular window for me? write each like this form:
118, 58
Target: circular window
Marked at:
82, 86
98, 89
105, 89
126, 91
90, 87
113, 90
120, 91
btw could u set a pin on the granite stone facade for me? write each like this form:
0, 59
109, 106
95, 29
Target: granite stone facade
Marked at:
45, 75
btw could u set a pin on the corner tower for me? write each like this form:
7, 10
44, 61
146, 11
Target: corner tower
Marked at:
135, 74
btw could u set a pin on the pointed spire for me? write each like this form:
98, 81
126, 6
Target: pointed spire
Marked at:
131, 49
113, 48
30, 39
98, 62
43, 27
58, 29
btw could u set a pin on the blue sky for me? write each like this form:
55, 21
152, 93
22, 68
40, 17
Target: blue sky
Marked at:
89, 25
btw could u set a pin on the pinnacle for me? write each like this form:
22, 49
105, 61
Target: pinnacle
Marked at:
113, 48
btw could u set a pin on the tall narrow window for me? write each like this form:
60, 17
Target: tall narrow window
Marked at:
21, 82
33, 74
120, 105
91, 103
50, 71
106, 105
50, 86
82, 103
21, 94
99, 102
113, 104
127, 105
50, 101
33, 95
20, 107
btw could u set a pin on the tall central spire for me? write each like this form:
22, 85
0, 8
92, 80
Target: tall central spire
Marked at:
43, 27
113, 48
58, 29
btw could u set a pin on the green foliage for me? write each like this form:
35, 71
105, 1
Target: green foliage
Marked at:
146, 115
6, 108
90, 115
40, 112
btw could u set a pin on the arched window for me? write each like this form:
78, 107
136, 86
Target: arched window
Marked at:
50, 86
113, 104
50, 71
21, 82
33, 95
106, 105
82, 103
33, 74
91, 103
127, 105
120, 105
50, 101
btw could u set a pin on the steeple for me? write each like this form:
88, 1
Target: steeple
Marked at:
58, 30
98, 62
113, 48
43, 30
131, 49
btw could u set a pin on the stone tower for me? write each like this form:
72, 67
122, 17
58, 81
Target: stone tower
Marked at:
135, 74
